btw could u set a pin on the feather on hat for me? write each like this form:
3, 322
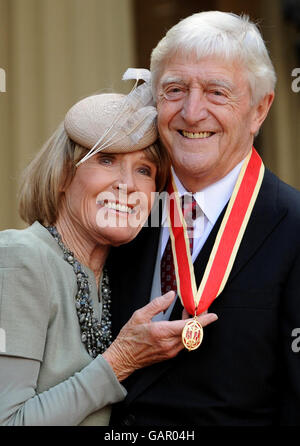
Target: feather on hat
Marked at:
115, 123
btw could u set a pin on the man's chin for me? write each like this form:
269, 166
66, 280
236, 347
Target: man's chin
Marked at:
194, 163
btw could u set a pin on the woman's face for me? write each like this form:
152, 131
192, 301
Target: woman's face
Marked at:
111, 195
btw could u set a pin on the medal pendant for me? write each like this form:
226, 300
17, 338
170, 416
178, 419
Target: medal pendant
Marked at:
192, 334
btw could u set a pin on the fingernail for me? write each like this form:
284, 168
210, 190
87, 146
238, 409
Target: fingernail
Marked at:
169, 294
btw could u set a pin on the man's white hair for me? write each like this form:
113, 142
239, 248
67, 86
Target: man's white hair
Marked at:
225, 35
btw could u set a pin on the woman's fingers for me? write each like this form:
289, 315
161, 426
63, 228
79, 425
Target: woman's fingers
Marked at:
185, 314
207, 318
156, 306
174, 328
142, 342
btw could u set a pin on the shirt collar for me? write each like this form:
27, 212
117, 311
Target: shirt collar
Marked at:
213, 198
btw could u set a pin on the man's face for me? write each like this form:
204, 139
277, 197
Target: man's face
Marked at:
205, 117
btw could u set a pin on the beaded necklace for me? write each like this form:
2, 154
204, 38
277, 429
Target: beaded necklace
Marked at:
95, 335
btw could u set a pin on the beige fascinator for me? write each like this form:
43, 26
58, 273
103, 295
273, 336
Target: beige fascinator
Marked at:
115, 123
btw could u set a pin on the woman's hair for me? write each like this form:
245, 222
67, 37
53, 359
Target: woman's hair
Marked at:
53, 169
225, 35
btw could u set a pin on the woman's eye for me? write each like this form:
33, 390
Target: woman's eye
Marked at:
106, 161
145, 171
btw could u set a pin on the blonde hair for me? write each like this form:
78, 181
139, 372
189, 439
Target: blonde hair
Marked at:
53, 169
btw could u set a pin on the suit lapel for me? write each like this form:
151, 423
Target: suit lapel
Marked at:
265, 217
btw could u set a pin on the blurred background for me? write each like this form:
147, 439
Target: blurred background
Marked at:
54, 52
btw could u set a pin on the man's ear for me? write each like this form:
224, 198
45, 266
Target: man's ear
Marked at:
260, 111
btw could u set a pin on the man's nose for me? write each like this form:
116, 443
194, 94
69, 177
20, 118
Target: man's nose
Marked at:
194, 108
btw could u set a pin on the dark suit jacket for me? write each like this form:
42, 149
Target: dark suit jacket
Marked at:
245, 372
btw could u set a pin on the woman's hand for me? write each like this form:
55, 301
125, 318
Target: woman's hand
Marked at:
142, 342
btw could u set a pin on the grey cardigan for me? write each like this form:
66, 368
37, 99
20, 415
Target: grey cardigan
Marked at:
46, 375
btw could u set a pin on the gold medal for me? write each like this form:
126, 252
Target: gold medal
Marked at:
192, 334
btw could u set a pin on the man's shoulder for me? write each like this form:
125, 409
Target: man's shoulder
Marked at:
286, 195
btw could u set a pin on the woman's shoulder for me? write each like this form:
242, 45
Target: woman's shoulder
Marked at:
23, 246
25, 236
25, 291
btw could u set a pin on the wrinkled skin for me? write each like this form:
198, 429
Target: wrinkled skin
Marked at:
141, 342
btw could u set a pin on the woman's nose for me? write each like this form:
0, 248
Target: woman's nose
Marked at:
194, 108
126, 181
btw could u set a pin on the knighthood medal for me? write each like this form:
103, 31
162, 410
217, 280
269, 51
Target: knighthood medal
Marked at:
223, 253
192, 334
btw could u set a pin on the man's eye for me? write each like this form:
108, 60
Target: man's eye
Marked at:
175, 90
217, 96
174, 93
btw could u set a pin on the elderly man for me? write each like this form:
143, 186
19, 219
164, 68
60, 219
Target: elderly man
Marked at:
214, 84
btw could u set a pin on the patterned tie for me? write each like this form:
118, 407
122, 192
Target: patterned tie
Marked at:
168, 277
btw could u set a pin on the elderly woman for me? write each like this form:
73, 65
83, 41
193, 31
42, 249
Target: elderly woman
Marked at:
90, 187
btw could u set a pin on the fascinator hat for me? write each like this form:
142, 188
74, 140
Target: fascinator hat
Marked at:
115, 123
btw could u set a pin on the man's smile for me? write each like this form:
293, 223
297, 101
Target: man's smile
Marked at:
195, 135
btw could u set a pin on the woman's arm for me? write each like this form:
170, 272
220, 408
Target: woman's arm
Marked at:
140, 343
66, 404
